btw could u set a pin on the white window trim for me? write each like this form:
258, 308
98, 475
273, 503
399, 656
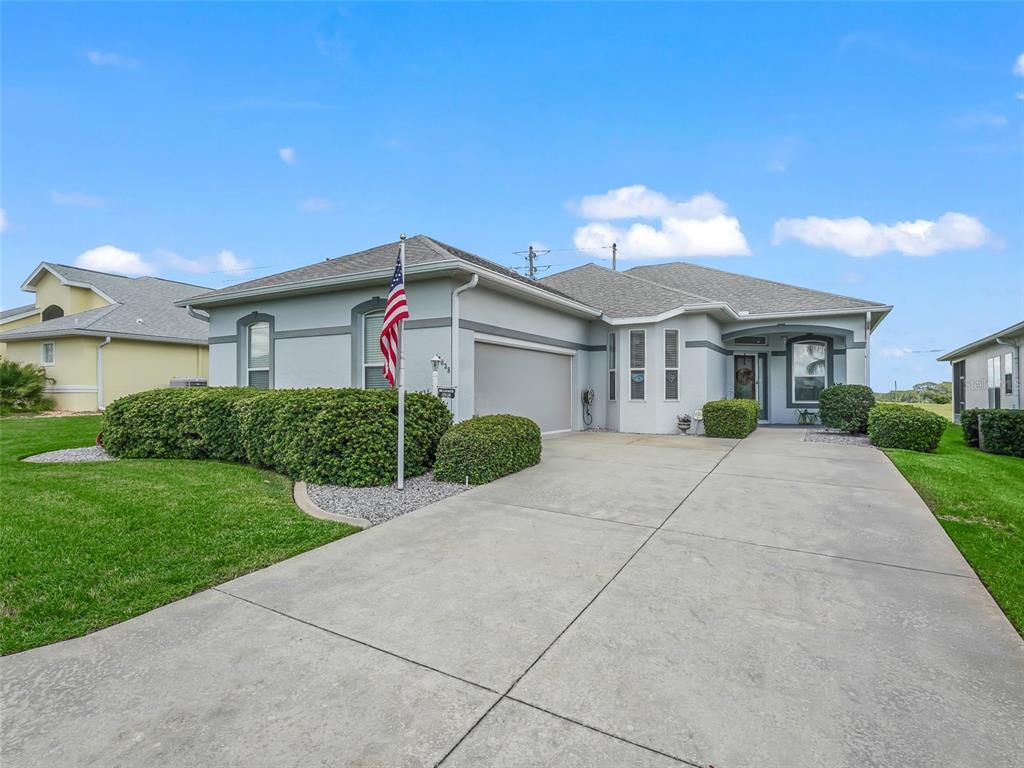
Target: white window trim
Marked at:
629, 353
793, 377
1008, 373
248, 356
613, 368
664, 355
42, 353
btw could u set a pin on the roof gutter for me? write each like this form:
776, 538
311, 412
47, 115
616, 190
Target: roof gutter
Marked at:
12, 336
455, 341
100, 405
196, 315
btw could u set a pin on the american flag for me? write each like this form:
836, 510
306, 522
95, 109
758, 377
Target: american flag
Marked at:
396, 310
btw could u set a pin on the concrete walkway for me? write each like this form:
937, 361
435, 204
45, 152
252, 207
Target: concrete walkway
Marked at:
632, 601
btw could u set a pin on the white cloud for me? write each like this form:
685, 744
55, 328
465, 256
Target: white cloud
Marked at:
698, 226
3, 220
1018, 66
1020, 95
287, 155
896, 352
981, 119
851, 277
856, 236
223, 261
111, 59
315, 204
79, 199
108, 258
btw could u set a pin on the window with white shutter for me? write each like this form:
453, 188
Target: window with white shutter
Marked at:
258, 355
671, 364
373, 358
637, 365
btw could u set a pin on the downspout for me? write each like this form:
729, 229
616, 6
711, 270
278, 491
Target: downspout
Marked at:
455, 342
99, 374
1014, 368
867, 348
196, 315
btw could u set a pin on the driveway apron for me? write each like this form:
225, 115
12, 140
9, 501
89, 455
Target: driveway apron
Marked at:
631, 601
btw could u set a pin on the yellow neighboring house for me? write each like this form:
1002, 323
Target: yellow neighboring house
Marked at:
101, 336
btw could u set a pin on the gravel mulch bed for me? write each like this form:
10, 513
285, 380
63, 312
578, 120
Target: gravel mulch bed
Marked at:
836, 438
71, 455
379, 503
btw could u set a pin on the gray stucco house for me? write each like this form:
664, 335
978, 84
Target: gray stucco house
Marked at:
651, 342
986, 372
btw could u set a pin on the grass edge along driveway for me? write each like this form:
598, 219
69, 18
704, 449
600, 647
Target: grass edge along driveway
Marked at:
979, 500
89, 545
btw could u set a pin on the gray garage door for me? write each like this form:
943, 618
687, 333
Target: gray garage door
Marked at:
524, 382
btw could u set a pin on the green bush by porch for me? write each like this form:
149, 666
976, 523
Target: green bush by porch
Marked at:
486, 448
846, 407
730, 418
23, 388
1002, 430
903, 426
339, 436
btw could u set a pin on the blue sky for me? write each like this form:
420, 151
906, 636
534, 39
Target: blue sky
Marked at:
871, 150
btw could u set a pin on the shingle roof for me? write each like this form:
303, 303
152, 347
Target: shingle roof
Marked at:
744, 293
618, 294
419, 250
14, 311
1015, 330
143, 307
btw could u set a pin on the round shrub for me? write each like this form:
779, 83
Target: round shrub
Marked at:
730, 418
846, 406
485, 448
903, 426
1002, 431
340, 436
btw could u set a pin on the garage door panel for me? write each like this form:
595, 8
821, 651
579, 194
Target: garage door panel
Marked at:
524, 382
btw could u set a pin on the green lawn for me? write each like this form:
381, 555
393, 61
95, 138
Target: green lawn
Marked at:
945, 411
88, 545
979, 499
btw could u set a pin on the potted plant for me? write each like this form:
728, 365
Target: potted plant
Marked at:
684, 422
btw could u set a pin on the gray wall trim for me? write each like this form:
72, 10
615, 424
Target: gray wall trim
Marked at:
508, 333
822, 330
242, 348
778, 353
222, 339
305, 333
356, 328
829, 367
856, 344
837, 352
708, 345
429, 322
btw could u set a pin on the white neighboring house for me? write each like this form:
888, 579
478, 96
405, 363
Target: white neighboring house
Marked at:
651, 342
986, 372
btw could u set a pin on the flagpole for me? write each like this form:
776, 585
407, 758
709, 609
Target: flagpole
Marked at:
401, 382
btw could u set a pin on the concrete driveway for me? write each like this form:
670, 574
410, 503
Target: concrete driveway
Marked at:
632, 601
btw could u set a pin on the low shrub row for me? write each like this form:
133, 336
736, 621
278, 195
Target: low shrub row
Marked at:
903, 426
486, 448
846, 407
340, 436
1002, 431
730, 418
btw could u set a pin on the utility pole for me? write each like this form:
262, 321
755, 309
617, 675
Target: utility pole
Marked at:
615, 253
531, 268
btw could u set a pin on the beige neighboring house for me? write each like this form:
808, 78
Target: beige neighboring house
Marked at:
987, 372
102, 336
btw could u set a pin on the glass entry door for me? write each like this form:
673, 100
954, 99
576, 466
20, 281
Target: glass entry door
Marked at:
749, 379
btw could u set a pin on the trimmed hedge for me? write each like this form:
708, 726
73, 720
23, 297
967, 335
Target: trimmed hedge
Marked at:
730, 418
486, 448
846, 406
340, 436
1002, 431
904, 426
969, 421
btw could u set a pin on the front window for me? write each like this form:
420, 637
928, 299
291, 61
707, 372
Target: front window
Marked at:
373, 358
258, 355
1008, 373
637, 365
810, 369
671, 364
994, 381
49, 352
611, 367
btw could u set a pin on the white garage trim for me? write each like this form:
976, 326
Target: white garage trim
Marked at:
487, 338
